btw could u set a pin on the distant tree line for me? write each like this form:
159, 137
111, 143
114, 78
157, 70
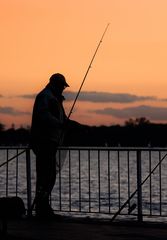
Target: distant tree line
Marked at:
12, 136
135, 132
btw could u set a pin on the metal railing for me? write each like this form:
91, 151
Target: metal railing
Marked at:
101, 182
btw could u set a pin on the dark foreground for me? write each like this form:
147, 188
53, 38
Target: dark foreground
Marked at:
86, 229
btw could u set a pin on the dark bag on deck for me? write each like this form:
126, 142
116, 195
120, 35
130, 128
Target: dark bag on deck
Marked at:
11, 207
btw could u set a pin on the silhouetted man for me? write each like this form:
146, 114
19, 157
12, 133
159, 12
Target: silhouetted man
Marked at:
48, 122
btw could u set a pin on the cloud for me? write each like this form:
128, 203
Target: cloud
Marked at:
152, 113
104, 97
164, 99
100, 97
12, 111
28, 96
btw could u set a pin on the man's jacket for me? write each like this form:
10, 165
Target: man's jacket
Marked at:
48, 117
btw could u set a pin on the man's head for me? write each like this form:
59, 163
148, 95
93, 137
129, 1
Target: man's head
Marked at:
58, 81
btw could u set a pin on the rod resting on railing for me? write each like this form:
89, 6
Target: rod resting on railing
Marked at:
132, 195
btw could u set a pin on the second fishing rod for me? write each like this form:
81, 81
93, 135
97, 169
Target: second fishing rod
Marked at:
137, 190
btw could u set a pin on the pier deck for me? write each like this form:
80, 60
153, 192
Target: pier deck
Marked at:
74, 229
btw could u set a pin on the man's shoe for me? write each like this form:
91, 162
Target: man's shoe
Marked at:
47, 214
52, 217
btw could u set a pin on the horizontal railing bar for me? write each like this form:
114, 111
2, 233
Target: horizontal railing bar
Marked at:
115, 148
93, 148
14, 147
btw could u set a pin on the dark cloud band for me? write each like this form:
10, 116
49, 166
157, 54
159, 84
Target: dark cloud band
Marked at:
105, 97
12, 111
153, 113
100, 97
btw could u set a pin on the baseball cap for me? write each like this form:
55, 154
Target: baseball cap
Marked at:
58, 79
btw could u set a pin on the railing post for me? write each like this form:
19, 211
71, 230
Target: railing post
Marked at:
139, 187
28, 172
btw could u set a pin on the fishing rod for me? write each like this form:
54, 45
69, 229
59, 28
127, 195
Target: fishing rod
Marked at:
132, 195
71, 110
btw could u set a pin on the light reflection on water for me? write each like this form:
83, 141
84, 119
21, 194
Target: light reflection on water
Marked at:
92, 186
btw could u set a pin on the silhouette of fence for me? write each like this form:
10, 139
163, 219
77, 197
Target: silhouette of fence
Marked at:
94, 181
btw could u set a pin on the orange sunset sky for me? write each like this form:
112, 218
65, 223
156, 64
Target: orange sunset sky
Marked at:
128, 78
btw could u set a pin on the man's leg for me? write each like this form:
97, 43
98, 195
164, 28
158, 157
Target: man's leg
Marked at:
46, 176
